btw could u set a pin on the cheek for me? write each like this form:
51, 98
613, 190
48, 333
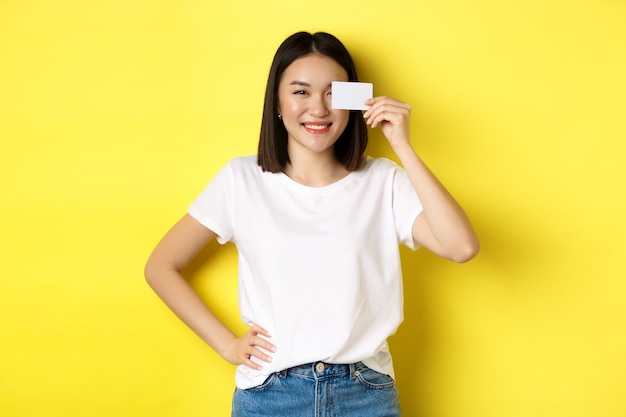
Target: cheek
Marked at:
286, 103
343, 118
291, 106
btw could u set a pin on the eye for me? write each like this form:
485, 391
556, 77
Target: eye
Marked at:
299, 92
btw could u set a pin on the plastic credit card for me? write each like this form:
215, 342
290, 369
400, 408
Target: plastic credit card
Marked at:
351, 95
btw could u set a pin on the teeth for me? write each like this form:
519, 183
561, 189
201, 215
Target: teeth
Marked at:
316, 127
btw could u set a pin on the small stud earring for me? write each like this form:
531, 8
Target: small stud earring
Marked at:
280, 116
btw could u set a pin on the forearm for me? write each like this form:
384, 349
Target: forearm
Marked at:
177, 248
452, 234
183, 300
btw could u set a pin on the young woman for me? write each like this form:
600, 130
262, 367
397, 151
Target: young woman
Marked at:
317, 226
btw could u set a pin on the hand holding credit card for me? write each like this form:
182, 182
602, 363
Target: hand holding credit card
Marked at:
351, 95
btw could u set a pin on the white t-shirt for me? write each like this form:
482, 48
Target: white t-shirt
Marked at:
319, 267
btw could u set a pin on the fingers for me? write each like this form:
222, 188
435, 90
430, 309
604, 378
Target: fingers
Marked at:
386, 109
393, 116
253, 344
382, 102
259, 330
261, 342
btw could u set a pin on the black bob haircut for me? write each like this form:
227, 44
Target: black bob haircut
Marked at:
350, 146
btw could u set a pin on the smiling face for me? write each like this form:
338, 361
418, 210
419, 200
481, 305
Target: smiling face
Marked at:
304, 100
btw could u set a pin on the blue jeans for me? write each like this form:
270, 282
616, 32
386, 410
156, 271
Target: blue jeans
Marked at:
320, 390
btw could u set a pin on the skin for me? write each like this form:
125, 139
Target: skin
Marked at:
313, 127
442, 227
304, 96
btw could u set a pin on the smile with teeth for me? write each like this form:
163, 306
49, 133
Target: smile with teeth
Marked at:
317, 127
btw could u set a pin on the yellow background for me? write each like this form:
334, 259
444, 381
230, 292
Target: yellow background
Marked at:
115, 114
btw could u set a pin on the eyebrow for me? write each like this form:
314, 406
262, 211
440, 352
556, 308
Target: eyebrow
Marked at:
304, 84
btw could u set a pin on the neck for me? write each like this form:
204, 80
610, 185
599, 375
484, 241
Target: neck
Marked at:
315, 171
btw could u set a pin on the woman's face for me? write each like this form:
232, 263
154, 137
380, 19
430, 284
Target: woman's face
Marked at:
304, 102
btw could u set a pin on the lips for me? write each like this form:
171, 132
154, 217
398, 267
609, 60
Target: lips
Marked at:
317, 127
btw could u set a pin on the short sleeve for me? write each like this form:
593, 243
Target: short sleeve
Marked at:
406, 207
212, 208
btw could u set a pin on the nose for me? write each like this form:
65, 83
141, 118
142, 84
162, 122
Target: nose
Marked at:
319, 106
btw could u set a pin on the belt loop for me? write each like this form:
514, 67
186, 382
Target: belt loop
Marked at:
352, 370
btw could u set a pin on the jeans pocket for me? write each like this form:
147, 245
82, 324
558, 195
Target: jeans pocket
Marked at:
373, 379
269, 381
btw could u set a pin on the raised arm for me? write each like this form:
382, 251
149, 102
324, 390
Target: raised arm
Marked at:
443, 227
163, 273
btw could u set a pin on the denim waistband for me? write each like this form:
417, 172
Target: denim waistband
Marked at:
317, 370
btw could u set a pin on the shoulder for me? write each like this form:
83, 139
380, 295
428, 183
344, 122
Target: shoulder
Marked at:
243, 163
383, 171
379, 165
236, 167
245, 172
243, 166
